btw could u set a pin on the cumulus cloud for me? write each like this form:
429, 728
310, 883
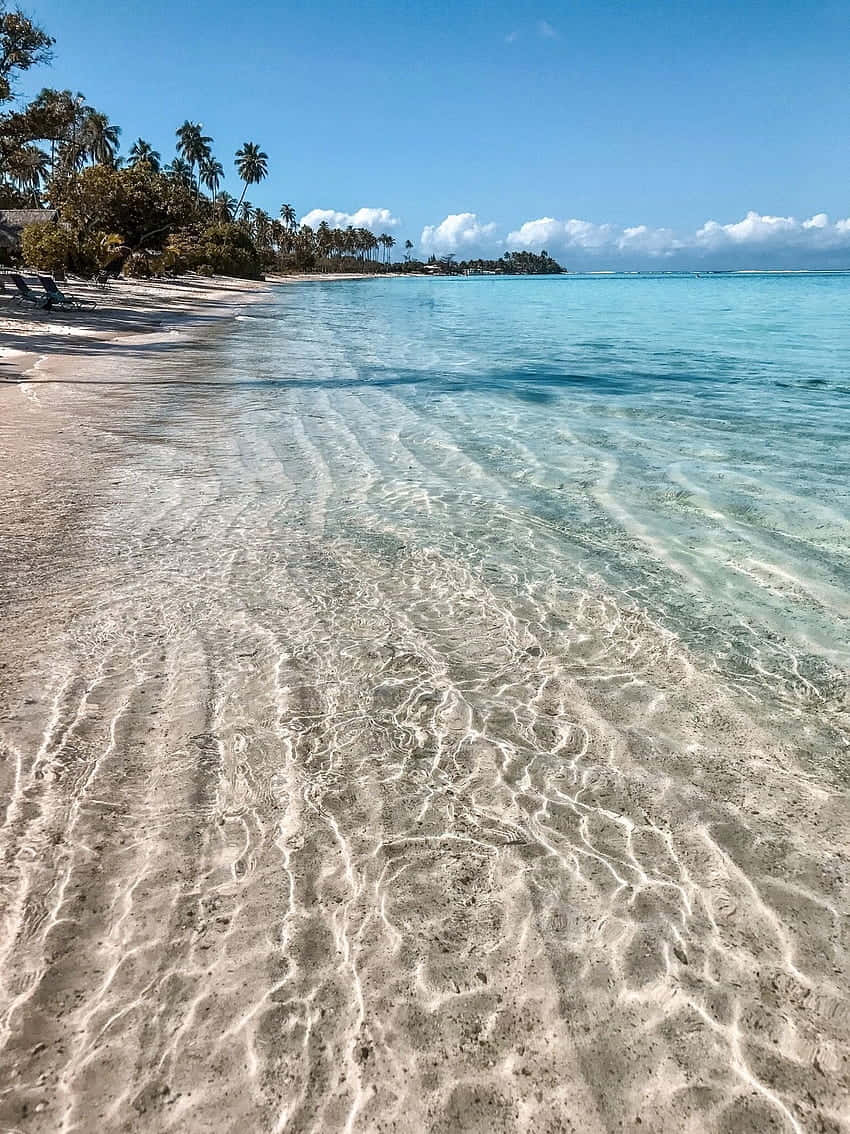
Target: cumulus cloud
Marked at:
766, 231
563, 234
642, 238
458, 231
756, 240
759, 238
377, 220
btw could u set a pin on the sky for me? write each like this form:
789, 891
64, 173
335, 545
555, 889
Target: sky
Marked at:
649, 133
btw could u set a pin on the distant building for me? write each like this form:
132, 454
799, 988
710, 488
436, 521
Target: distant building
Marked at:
14, 221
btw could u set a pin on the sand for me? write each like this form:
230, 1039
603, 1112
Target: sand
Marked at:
263, 868
125, 309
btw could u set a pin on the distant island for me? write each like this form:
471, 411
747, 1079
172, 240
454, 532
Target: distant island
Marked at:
511, 264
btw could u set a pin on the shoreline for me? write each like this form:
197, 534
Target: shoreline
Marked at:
127, 309
49, 341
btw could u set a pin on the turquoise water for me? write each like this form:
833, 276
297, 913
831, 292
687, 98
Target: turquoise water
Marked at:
454, 676
684, 440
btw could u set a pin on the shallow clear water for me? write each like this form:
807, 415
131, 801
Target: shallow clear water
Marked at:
683, 440
453, 678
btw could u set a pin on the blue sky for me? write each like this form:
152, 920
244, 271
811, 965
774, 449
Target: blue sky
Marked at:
642, 120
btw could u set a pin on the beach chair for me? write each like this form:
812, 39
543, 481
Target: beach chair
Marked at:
25, 292
66, 302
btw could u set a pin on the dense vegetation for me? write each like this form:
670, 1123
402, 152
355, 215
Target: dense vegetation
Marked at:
511, 264
140, 215
133, 214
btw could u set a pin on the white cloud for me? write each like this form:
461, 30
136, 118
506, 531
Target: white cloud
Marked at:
757, 235
765, 232
546, 30
377, 220
458, 231
564, 234
756, 240
642, 238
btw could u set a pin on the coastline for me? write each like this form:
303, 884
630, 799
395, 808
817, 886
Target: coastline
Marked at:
129, 308
44, 353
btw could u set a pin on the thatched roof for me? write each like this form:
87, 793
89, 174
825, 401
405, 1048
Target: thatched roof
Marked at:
14, 221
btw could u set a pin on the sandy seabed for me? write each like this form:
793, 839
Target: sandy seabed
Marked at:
290, 847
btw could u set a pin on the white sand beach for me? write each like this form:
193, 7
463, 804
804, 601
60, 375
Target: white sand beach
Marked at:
340, 793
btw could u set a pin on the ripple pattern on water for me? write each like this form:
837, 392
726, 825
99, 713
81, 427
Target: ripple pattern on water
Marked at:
425, 708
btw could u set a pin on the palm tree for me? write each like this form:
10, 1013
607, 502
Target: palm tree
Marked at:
370, 241
68, 114
244, 211
59, 116
323, 238
194, 146
387, 242
211, 173
142, 152
225, 206
29, 167
99, 138
305, 239
252, 165
181, 171
286, 237
287, 215
262, 229
408, 248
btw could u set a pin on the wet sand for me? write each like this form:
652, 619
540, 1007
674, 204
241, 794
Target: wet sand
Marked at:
300, 838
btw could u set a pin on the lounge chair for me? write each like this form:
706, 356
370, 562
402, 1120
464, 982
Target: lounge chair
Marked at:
67, 302
25, 292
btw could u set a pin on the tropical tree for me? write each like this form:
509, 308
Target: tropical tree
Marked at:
99, 138
304, 246
181, 172
56, 147
211, 173
52, 116
225, 206
23, 44
408, 249
368, 241
29, 170
323, 239
143, 206
262, 229
194, 146
252, 165
387, 242
142, 152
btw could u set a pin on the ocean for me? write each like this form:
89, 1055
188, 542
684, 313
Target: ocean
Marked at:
471, 658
